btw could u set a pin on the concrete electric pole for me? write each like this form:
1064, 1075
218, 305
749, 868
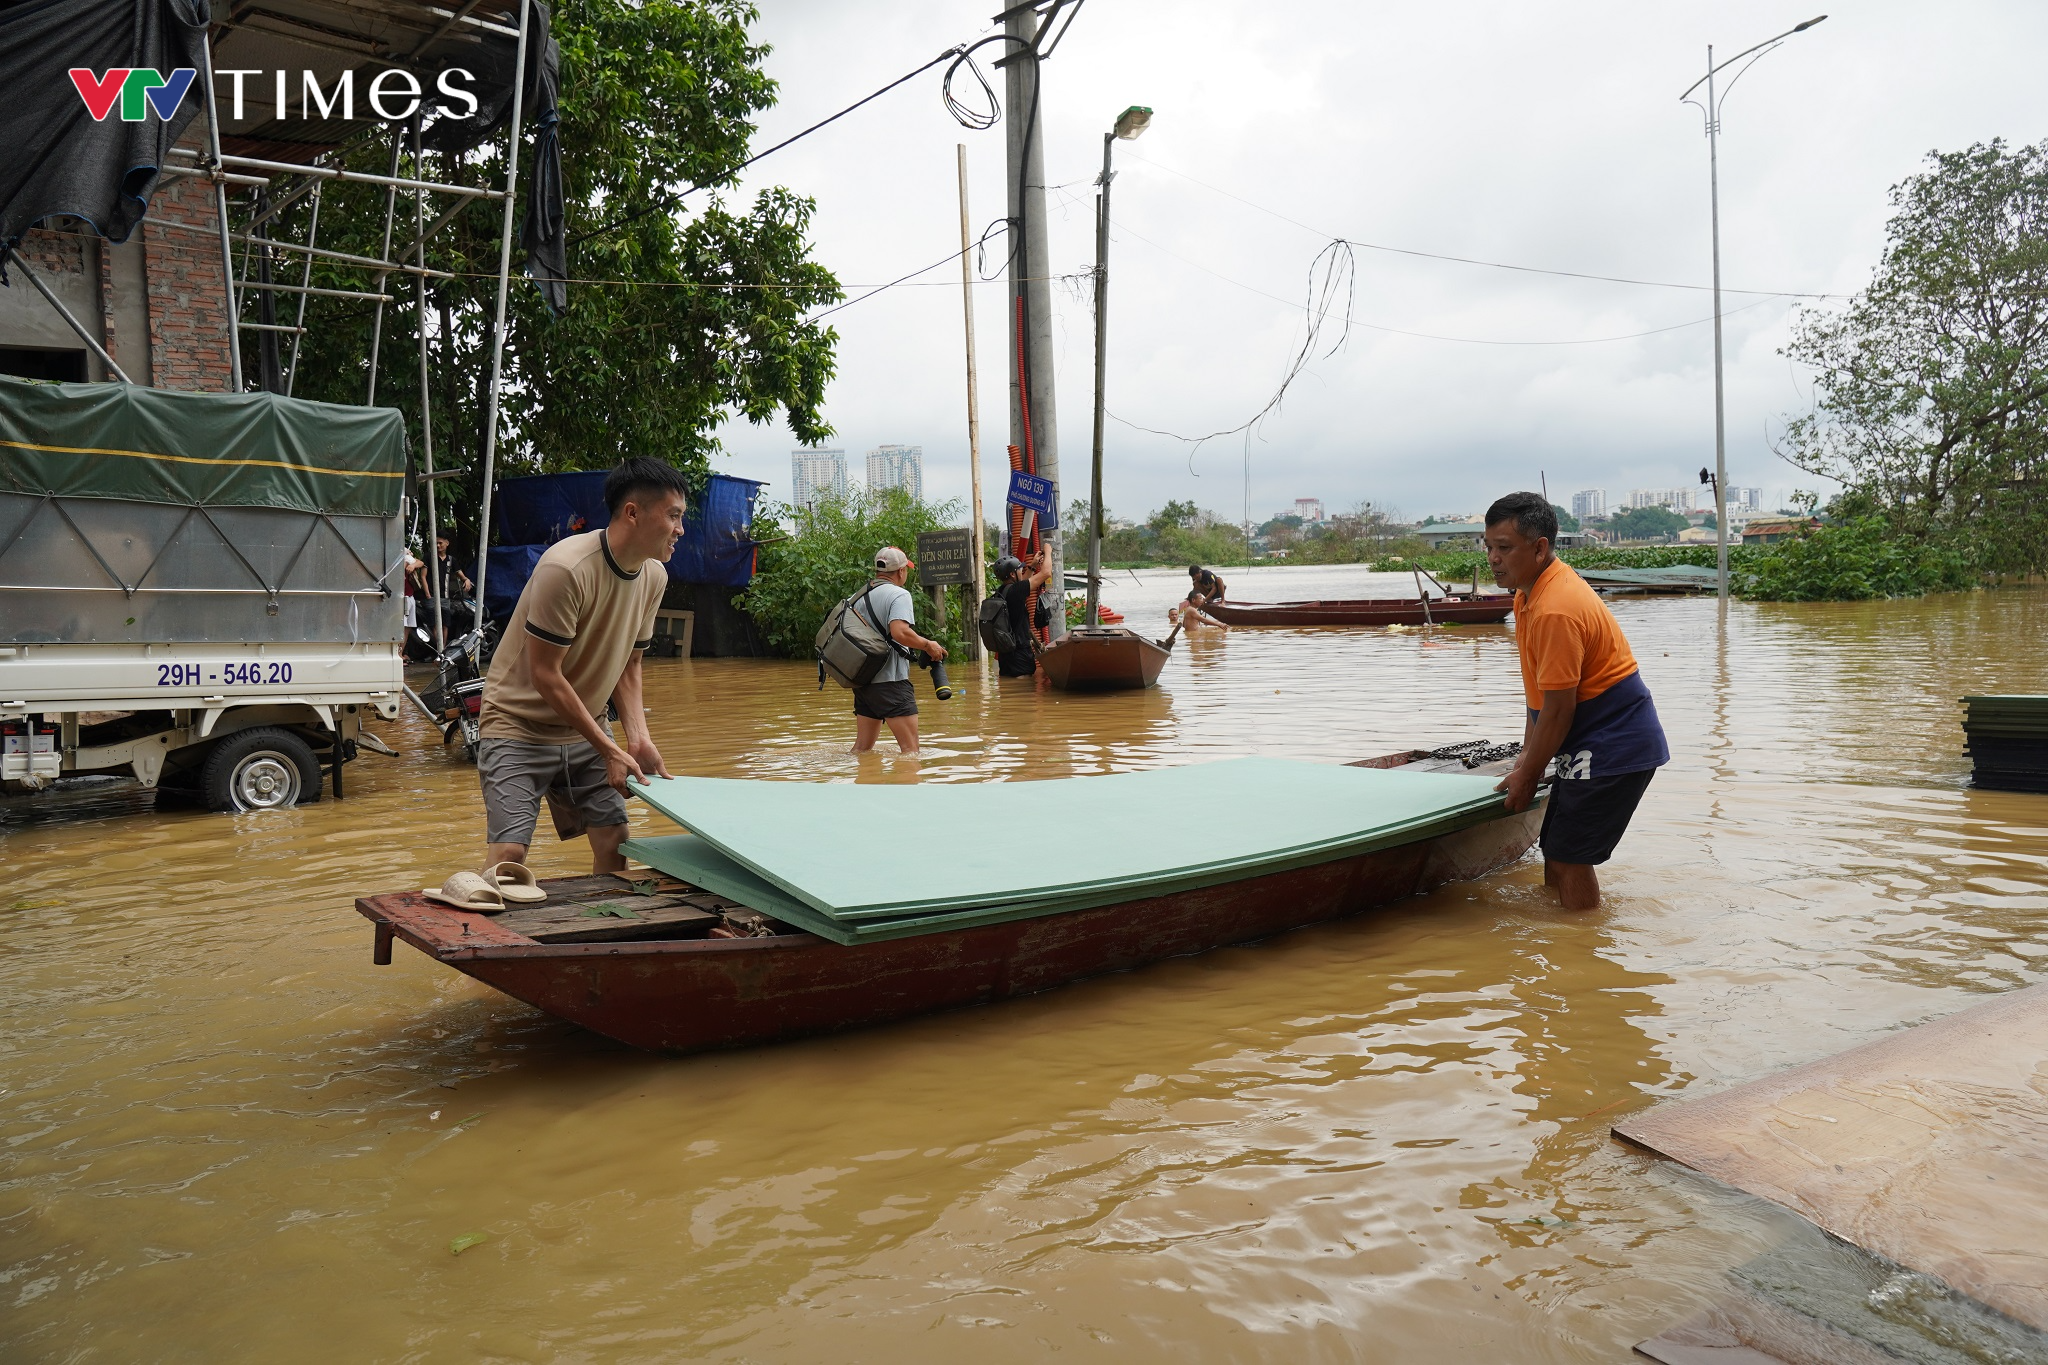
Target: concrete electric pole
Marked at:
1030, 320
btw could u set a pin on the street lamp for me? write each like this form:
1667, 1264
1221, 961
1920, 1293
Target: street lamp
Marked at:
1129, 124
1712, 111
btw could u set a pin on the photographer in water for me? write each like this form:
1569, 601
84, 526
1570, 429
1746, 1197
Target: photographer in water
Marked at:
1019, 590
889, 699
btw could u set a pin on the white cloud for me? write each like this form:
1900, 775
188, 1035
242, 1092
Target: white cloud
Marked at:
1543, 134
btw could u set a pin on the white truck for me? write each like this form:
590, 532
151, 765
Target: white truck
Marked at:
201, 591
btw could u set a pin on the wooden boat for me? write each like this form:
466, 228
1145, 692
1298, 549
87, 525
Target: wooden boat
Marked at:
1104, 659
690, 970
1465, 609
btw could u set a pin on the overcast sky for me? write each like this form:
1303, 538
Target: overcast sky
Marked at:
1536, 134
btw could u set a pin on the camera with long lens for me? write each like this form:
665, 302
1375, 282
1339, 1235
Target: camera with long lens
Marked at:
942, 687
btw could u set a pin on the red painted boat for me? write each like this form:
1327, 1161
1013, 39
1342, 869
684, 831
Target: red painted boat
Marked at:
1465, 609
690, 971
1104, 659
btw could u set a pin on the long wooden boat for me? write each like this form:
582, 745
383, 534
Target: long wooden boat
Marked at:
1104, 659
690, 970
1465, 609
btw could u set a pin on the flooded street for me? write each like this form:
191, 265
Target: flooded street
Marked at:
225, 1135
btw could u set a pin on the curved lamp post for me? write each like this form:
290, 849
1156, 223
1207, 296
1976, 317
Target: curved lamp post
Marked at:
1129, 124
1711, 109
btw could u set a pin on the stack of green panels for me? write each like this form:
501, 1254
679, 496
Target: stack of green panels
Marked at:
2007, 740
858, 863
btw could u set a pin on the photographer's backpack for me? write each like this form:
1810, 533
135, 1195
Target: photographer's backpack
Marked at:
993, 620
850, 649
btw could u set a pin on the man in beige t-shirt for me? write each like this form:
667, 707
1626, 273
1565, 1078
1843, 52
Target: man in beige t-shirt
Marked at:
574, 643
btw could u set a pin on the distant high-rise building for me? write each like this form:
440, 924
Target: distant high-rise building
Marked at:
1745, 499
816, 473
1676, 499
1591, 503
1310, 510
897, 467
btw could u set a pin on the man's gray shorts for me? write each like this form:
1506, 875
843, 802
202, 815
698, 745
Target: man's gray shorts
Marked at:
515, 775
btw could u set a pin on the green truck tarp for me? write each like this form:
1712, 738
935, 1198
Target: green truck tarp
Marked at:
199, 449
852, 862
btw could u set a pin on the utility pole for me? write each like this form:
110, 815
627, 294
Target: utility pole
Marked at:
1033, 419
977, 576
1712, 110
1720, 393
1129, 125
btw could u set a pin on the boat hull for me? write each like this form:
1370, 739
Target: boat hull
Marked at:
689, 995
1395, 611
1105, 659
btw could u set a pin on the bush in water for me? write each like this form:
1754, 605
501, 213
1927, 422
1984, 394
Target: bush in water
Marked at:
813, 557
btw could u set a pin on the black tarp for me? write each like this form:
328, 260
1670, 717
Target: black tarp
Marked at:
547, 248
57, 160
542, 235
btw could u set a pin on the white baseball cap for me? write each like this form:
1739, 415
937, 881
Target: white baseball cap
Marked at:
889, 559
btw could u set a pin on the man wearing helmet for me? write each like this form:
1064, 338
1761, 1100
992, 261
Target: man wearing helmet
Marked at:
1020, 585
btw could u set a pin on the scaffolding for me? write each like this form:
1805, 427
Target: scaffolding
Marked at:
347, 36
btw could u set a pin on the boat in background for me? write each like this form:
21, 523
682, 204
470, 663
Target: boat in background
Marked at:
1464, 609
1104, 659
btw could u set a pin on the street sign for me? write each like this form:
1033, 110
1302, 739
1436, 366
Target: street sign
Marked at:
944, 558
1034, 494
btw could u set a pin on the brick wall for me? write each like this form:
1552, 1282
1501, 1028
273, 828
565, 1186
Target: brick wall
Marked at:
188, 330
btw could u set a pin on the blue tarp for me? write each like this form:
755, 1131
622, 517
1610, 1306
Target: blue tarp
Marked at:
542, 509
511, 566
535, 512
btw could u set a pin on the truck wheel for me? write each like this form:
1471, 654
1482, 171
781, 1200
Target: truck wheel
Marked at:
261, 769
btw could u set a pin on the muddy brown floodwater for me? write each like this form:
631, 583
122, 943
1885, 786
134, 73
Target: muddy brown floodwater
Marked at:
227, 1136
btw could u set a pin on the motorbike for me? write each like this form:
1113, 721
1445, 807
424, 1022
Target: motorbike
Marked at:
455, 702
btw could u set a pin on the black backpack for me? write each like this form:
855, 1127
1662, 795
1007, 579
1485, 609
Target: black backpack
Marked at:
993, 621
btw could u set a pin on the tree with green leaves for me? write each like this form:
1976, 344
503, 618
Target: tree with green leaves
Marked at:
1931, 386
684, 310
1646, 523
812, 557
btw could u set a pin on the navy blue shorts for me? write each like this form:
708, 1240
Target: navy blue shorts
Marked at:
1586, 817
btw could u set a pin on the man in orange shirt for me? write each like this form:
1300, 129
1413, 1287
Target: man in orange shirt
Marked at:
1588, 707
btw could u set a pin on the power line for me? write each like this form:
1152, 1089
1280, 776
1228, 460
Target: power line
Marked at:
1473, 260
1434, 336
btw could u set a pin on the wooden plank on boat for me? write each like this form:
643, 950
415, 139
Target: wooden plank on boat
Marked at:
612, 917
1928, 1147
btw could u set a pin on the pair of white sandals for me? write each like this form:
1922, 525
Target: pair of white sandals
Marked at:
498, 887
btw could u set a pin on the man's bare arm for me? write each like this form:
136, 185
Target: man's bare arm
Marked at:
629, 697
905, 634
1542, 739
546, 660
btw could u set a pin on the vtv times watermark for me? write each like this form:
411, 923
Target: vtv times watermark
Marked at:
390, 95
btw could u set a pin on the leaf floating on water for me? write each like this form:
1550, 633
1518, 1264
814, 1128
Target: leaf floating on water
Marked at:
466, 1241
611, 908
471, 1119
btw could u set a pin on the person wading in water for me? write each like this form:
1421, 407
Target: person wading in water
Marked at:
1588, 707
1204, 587
1020, 587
